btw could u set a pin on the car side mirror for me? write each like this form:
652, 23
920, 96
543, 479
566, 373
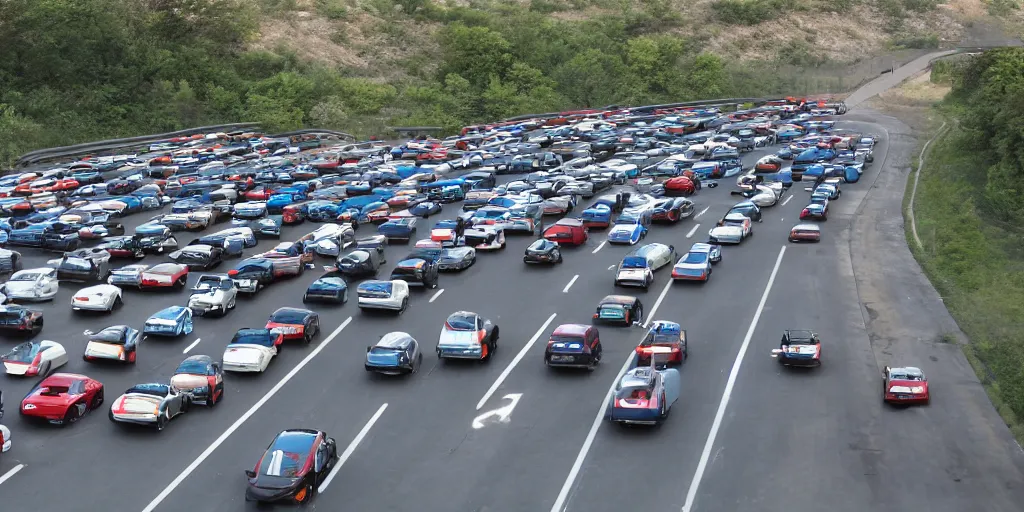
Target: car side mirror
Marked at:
250, 473
368, 349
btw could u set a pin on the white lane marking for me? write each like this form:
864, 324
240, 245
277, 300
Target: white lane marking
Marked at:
436, 295
657, 303
599, 247
692, 231
352, 447
192, 346
727, 394
245, 417
13, 471
570, 480
504, 413
784, 203
571, 281
515, 361
702, 212
611, 267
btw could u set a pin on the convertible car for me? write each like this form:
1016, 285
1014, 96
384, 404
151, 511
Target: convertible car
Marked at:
202, 377
630, 227
733, 229
294, 465
665, 340
638, 267
62, 398
644, 395
31, 285
114, 343
151, 405
251, 350
213, 294
33, 358
129, 275
170, 321
798, 348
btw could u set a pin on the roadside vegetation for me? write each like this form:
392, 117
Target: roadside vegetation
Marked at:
970, 212
95, 69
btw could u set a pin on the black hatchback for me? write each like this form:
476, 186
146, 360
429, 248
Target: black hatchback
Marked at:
543, 251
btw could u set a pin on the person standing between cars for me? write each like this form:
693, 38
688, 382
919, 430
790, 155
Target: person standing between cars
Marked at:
460, 227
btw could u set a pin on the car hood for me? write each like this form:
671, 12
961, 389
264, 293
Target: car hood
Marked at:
623, 230
727, 231
215, 296
135, 403
458, 338
242, 353
17, 287
188, 382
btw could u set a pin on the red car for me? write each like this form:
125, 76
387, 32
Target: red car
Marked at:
63, 398
567, 232
906, 385
665, 339
165, 275
679, 186
295, 324
260, 193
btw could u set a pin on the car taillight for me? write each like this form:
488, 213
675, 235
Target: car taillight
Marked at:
83, 299
232, 272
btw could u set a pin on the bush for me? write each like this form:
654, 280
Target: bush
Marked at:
749, 12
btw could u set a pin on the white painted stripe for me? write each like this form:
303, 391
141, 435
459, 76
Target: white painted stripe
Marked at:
191, 346
691, 495
571, 281
611, 267
519, 357
570, 480
784, 203
13, 471
436, 295
599, 247
702, 212
692, 231
352, 447
245, 417
650, 314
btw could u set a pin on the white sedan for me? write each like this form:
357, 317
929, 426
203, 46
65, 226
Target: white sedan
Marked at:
36, 284
251, 350
101, 297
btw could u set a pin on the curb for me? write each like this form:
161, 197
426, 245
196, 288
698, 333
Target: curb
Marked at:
917, 178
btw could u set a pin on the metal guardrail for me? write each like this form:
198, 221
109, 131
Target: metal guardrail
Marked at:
309, 131
50, 154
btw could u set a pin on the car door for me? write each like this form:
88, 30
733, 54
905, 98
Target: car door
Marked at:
48, 282
173, 402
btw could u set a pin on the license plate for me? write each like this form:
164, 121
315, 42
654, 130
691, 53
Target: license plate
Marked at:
563, 359
903, 397
199, 390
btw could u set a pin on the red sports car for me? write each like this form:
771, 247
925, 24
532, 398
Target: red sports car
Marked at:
165, 275
567, 232
295, 324
679, 186
63, 398
906, 385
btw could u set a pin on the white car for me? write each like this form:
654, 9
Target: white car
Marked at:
390, 295
213, 294
251, 350
734, 229
766, 195
149, 404
329, 239
5, 439
102, 297
129, 275
35, 358
638, 267
35, 284
485, 238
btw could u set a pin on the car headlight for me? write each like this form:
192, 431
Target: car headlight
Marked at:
917, 390
29, 407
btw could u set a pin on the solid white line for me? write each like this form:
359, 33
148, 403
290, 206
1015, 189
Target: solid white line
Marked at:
784, 203
519, 357
352, 447
571, 281
702, 212
563, 495
599, 247
245, 417
657, 303
436, 295
727, 394
192, 346
11, 473
692, 231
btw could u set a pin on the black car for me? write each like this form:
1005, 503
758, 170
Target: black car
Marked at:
84, 265
455, 259
419, 268
543, 251
252, 275
375, 243
360, 263
746, 208
18, 320
330, 287
620, 309
198, 256
293, 467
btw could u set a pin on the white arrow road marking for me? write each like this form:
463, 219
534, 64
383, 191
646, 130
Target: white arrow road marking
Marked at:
702, 212
11, 473
436, 295
519, 357
352, 447
192, 346
503, 414
599, 247
571, 281
692, 231
787, 200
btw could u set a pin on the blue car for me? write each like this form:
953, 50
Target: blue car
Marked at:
630, 227
644, 395
330, 287
425, 209
817, 209
172, 321
809, 157
51, 235
398, 229
284, 197
268, 227
395, 353
597, 216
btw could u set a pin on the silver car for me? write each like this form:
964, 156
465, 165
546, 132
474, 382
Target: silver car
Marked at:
467, 335
32, 285
213, 294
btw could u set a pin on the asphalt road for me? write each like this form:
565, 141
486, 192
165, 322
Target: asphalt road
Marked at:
785, 440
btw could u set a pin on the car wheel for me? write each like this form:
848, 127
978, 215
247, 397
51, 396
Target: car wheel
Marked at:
231, 305
97, 400
307, 338
186, 404
72, 415
405, 304
344, 297
117, 303
212, 401
161, 422
305, 298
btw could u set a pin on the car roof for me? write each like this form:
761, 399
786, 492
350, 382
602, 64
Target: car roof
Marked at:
618, 299
395, 339
807, 227
571, 330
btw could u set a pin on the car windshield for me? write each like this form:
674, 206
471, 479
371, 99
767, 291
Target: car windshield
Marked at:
23, 353
289, 316
385, 350
192, 366
628, 218
566, 339
109, 335
659, 339
26, 276
461, 322
159, 390
286, 457
634, 262
902, 374
356, 257
262, 337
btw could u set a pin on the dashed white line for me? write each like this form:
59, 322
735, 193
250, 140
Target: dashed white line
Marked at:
245, 417
519, 357
191, 346
657, 303
702, 212
436, 295
784, 203
563, 495
352, 447
599, 247
691, 495
692, 231
571, 281
13, 471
